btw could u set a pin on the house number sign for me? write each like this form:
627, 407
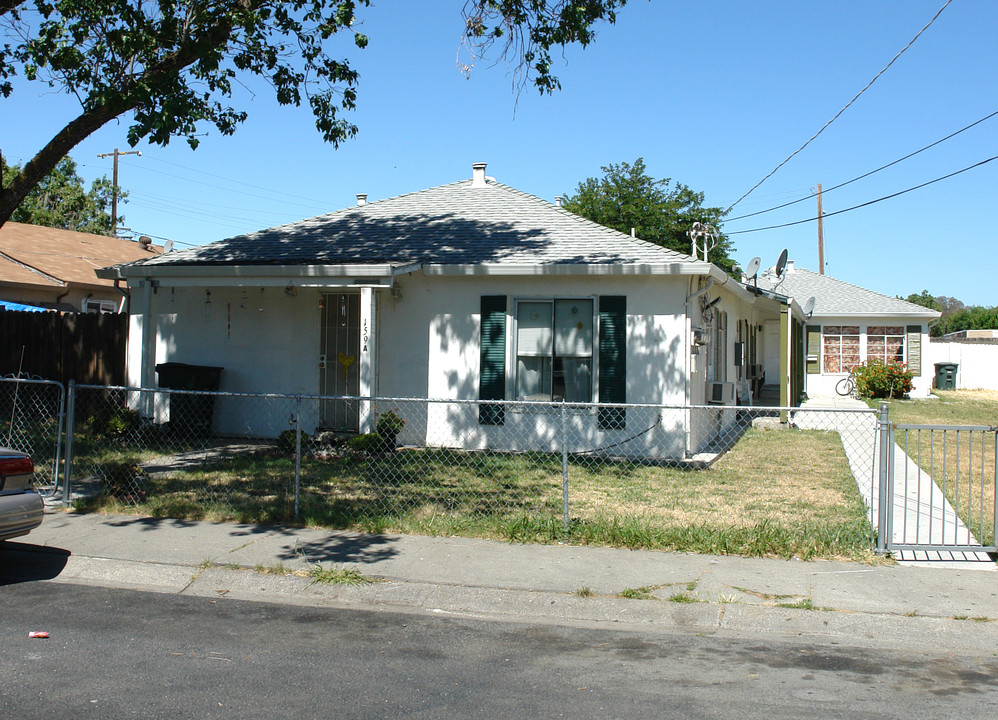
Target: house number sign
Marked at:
365, 336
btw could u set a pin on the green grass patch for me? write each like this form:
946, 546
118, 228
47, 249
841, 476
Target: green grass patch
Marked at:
338, 576
777, 493
683, 598
641, 593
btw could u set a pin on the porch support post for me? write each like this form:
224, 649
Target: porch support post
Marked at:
368, 354
147, 362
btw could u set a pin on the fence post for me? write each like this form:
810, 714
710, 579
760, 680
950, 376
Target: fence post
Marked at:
60, 425
564, 466
297, 421
67, 473
884, 499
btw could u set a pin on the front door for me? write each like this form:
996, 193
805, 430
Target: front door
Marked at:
339, 362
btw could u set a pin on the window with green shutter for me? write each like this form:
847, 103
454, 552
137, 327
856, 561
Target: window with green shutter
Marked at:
492, 375
612, 360
813, 349
914, 333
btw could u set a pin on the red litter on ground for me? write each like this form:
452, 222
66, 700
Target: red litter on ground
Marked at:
38, 634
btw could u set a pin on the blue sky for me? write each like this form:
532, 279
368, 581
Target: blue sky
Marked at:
714, 94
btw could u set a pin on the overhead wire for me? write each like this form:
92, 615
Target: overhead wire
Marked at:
865, 204
846, 107
864, 175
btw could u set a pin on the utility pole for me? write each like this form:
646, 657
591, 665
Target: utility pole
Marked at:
114, 192
821, 237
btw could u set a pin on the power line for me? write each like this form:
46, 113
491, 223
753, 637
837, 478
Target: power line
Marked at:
869, 202
847, 105
867, 174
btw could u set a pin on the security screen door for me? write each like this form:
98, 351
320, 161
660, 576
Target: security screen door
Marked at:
339, 366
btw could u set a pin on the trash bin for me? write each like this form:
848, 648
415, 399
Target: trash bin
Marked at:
946, 376
190, 414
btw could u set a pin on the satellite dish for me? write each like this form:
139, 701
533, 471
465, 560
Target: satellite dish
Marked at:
168, 246
809, 306
753, 267
781, 264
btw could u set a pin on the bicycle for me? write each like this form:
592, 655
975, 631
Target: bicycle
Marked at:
846, 386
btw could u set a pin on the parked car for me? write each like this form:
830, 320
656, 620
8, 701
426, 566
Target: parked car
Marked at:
21, 507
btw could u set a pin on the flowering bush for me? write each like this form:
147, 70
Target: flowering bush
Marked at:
878, 379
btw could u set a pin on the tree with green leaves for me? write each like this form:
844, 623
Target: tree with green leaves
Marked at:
170, 65
627, 197
61, 200
925, 300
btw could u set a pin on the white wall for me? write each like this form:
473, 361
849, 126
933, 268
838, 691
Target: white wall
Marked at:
429, 347
978, 362
266, 341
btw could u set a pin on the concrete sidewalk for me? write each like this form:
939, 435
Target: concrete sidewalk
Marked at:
884, 606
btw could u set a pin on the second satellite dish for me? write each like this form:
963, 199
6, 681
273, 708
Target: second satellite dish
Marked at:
168, 246
753, 267
809, 306
781, 264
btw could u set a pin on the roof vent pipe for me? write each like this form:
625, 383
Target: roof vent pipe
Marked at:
558, 199
362, 198
478, 175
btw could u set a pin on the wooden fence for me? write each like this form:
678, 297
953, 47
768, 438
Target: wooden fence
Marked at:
86, 347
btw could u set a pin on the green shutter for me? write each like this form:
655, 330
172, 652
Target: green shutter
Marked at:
492, 373
612, 360
813, 349
914, 349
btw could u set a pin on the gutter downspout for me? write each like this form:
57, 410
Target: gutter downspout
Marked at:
126, 297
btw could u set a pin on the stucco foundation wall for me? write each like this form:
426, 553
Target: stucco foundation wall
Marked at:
978, 362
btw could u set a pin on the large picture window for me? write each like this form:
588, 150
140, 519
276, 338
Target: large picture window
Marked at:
885, 342
554, 350
840, 347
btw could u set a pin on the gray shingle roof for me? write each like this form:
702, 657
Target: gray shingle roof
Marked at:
449, 224
836, 297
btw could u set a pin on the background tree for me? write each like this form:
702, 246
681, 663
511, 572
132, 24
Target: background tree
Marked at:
171, 64
61, 200
925, 300
956, 315
626, 197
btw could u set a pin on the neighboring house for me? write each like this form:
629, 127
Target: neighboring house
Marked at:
471, 291
49, 268
850, 325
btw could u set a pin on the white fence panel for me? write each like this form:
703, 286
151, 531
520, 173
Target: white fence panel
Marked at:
978, 362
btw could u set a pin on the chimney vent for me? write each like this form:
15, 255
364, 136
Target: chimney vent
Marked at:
478, 175
362, 198
558, 199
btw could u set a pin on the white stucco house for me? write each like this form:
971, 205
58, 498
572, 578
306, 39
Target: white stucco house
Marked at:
471, 291
850, 325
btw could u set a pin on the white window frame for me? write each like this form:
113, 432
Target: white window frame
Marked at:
513, 338
902, 335
100, 307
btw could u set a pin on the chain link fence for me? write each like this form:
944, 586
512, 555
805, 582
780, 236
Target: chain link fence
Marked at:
31, 421
404, 464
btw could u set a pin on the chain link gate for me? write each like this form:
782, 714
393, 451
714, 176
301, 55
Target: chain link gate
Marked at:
32, 416
939, 484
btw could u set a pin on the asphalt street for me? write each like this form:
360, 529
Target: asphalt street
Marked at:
115, 653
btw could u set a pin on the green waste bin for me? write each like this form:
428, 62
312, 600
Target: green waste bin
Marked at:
190, 414
946, 375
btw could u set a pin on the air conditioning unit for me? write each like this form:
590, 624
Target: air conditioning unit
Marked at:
720, 393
